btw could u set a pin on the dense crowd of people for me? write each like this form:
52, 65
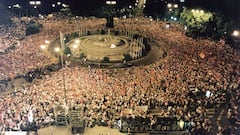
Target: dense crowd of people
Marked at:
11, 34
168, 85
14, 63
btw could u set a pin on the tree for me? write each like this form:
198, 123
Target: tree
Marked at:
196, 22
220, 27
105, 60
200, 23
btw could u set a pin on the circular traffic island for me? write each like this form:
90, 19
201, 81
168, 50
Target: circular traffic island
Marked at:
109, 50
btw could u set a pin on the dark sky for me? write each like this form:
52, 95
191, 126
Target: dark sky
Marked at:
230, 8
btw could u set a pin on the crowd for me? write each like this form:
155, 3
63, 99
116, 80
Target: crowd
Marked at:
191, 66
28, 55
11, 34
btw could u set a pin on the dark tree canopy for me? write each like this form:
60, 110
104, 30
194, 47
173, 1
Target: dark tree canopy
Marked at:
202, 23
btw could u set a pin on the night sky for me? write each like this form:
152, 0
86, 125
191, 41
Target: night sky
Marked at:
229, 8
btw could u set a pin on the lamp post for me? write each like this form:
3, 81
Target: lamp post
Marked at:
171, 9
236, 38
110, 17
62, 43
59, 52
35, 4
236, 33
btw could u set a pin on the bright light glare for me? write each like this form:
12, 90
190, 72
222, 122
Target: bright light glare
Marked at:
32, 2
57, 49
38, 2
77, 41
64, 5
235, 33
175, 6
43, 46
111, 2
197, 11
113, 46
169, 5
75, 46
47, 41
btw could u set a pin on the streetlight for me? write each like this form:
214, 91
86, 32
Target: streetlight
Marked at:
58, 3
60, 50
111, 2
62, 44
65, 5
235, 33
171, 7
236, 38
53, 5
35, 3
110, 18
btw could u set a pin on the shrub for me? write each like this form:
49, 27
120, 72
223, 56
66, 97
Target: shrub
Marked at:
67, 50
105, 60
82, 55
127, 57
88, 33
117, 33
75, 35
67, 38
103, 32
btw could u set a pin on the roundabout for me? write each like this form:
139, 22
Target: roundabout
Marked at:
96, 47
110, 48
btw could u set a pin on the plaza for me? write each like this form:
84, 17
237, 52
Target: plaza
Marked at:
144, 76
